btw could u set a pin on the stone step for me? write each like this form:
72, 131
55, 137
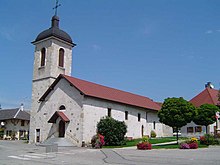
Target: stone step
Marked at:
61, 142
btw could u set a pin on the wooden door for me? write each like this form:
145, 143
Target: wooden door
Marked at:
61, 128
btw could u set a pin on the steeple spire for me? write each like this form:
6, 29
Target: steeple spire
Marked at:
57, 5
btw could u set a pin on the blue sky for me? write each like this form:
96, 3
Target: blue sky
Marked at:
155, 48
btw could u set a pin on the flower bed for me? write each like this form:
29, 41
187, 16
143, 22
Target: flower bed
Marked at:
189, 144
144, 144
97, 141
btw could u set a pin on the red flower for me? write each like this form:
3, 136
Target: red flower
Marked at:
144, 146
101, 138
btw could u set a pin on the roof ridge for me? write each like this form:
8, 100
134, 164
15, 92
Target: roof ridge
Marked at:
17, 113
210, 95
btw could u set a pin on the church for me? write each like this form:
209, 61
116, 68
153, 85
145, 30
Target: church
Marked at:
65, 107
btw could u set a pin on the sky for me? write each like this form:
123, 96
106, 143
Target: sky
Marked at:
154, 48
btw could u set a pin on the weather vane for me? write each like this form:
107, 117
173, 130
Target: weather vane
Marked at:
57, 5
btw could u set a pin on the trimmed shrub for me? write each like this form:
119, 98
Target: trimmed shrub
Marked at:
153, 134
145, 139
113, 131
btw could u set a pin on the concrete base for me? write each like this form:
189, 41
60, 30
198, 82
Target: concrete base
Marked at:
61, 142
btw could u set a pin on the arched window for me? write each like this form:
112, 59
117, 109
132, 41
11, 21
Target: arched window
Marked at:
43, 57
62, 107
61, 57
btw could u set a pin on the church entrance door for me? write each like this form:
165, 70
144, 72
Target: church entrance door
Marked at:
61, 128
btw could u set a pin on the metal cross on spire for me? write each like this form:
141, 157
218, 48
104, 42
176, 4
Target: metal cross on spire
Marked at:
57, 5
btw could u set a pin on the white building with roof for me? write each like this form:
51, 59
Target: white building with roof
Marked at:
64, 107
14, 124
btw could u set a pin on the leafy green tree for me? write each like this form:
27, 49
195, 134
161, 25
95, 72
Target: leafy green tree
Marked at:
176, 113
112, 130
205, 115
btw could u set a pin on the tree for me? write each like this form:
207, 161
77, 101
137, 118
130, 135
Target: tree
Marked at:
113, 130
205, 115
176, 113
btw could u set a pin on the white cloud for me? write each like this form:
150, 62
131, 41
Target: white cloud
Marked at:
96, 47
212, 31
209, 32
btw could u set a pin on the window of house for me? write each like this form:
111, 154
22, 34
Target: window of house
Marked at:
154, 125
146, 116
8, 132
43, 57
198, 129
21, 133
109, 112
139, 117
189, 129
126, 115
61, 57
22, 122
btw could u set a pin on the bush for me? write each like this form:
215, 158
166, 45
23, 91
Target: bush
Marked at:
153, 134
113, 131
145, 139
203, 140
209, 139
144, 146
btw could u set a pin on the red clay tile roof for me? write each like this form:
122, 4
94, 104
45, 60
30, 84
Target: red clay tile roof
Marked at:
207, 96
107, 93
56, 115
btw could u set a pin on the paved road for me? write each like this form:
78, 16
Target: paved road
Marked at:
18, 153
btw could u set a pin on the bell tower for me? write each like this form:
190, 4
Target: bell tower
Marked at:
52, 56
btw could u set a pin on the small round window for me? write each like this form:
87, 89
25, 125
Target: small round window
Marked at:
62, 107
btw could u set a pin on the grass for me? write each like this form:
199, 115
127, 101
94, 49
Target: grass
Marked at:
152, 141
155, 141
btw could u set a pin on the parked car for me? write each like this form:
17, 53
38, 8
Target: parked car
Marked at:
179, 133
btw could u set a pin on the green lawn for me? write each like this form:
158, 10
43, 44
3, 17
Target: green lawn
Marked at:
152, 141
174, 146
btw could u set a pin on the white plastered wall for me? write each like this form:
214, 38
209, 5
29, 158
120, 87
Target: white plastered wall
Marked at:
94, 109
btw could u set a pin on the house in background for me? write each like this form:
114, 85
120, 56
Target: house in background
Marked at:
14, 124
208, 96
